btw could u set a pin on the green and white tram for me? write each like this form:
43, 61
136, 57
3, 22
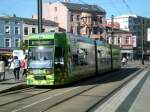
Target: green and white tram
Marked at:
61, 58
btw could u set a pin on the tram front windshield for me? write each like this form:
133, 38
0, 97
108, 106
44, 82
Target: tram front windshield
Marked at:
41, 57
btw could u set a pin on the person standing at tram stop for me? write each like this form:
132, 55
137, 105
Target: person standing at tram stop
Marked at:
16, 62
2, 68
23, 66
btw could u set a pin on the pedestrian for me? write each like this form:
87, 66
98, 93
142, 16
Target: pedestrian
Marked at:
10, 66
16, 62
24, 67
2, 68
123, 61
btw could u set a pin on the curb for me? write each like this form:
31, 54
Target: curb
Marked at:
14, 88
94, 107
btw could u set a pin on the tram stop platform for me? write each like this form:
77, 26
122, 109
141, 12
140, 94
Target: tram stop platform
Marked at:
10, 84
133, 97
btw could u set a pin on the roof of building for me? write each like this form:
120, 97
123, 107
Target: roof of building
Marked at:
28, 21
84, 7
109, 30
34, 22
127, 16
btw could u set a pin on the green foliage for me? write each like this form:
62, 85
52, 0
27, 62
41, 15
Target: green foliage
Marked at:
23, 45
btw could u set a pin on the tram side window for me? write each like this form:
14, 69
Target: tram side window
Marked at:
80, 58
75, 59
99, 54
83, 56
59, 56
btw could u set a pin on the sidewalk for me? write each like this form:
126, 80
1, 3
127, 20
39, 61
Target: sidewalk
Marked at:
133, 97
142, 101
10, 83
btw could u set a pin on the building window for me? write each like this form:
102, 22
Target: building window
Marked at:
55, 9
43, 30
78, 17
7, 43
6, 22
17, 30
118, 40
71, 29
33, 30
127, 40
78, 29
16, 42
52, 30
95, 30
107, 40
7, 29
25, 30
71, 18
26, 42
101, 20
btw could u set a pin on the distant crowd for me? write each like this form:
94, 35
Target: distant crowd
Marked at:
16, 66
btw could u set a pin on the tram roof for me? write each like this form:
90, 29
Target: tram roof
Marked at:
50, 35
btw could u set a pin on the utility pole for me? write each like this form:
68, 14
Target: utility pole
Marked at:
39, 7
112, 29
112, 40
142, 41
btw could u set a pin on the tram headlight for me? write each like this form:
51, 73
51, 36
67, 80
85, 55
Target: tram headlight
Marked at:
48, 71
40, 47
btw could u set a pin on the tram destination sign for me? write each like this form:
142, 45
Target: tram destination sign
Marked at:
41, 42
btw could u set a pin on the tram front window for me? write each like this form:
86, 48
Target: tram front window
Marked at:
41, 57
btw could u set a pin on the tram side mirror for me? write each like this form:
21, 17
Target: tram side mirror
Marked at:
59, 65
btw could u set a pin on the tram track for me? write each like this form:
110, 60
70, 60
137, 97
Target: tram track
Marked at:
22, 91
83, 93
66, 94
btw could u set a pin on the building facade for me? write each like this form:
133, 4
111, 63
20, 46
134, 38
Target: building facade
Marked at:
75, 18
125, 40
10, 34
138, 25
30, 26
14, 29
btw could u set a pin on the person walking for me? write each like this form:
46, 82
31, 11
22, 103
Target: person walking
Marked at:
2, 68
10, 66
24, 67
16, 62
123, 61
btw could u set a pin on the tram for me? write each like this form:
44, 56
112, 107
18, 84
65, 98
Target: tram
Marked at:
62, 58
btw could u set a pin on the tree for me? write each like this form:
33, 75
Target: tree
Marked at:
23, 45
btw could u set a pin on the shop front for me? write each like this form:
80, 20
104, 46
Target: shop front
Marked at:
6, 53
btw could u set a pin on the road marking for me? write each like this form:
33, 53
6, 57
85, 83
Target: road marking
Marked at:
116, 100
37, 102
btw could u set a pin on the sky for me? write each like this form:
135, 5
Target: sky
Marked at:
26, 8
